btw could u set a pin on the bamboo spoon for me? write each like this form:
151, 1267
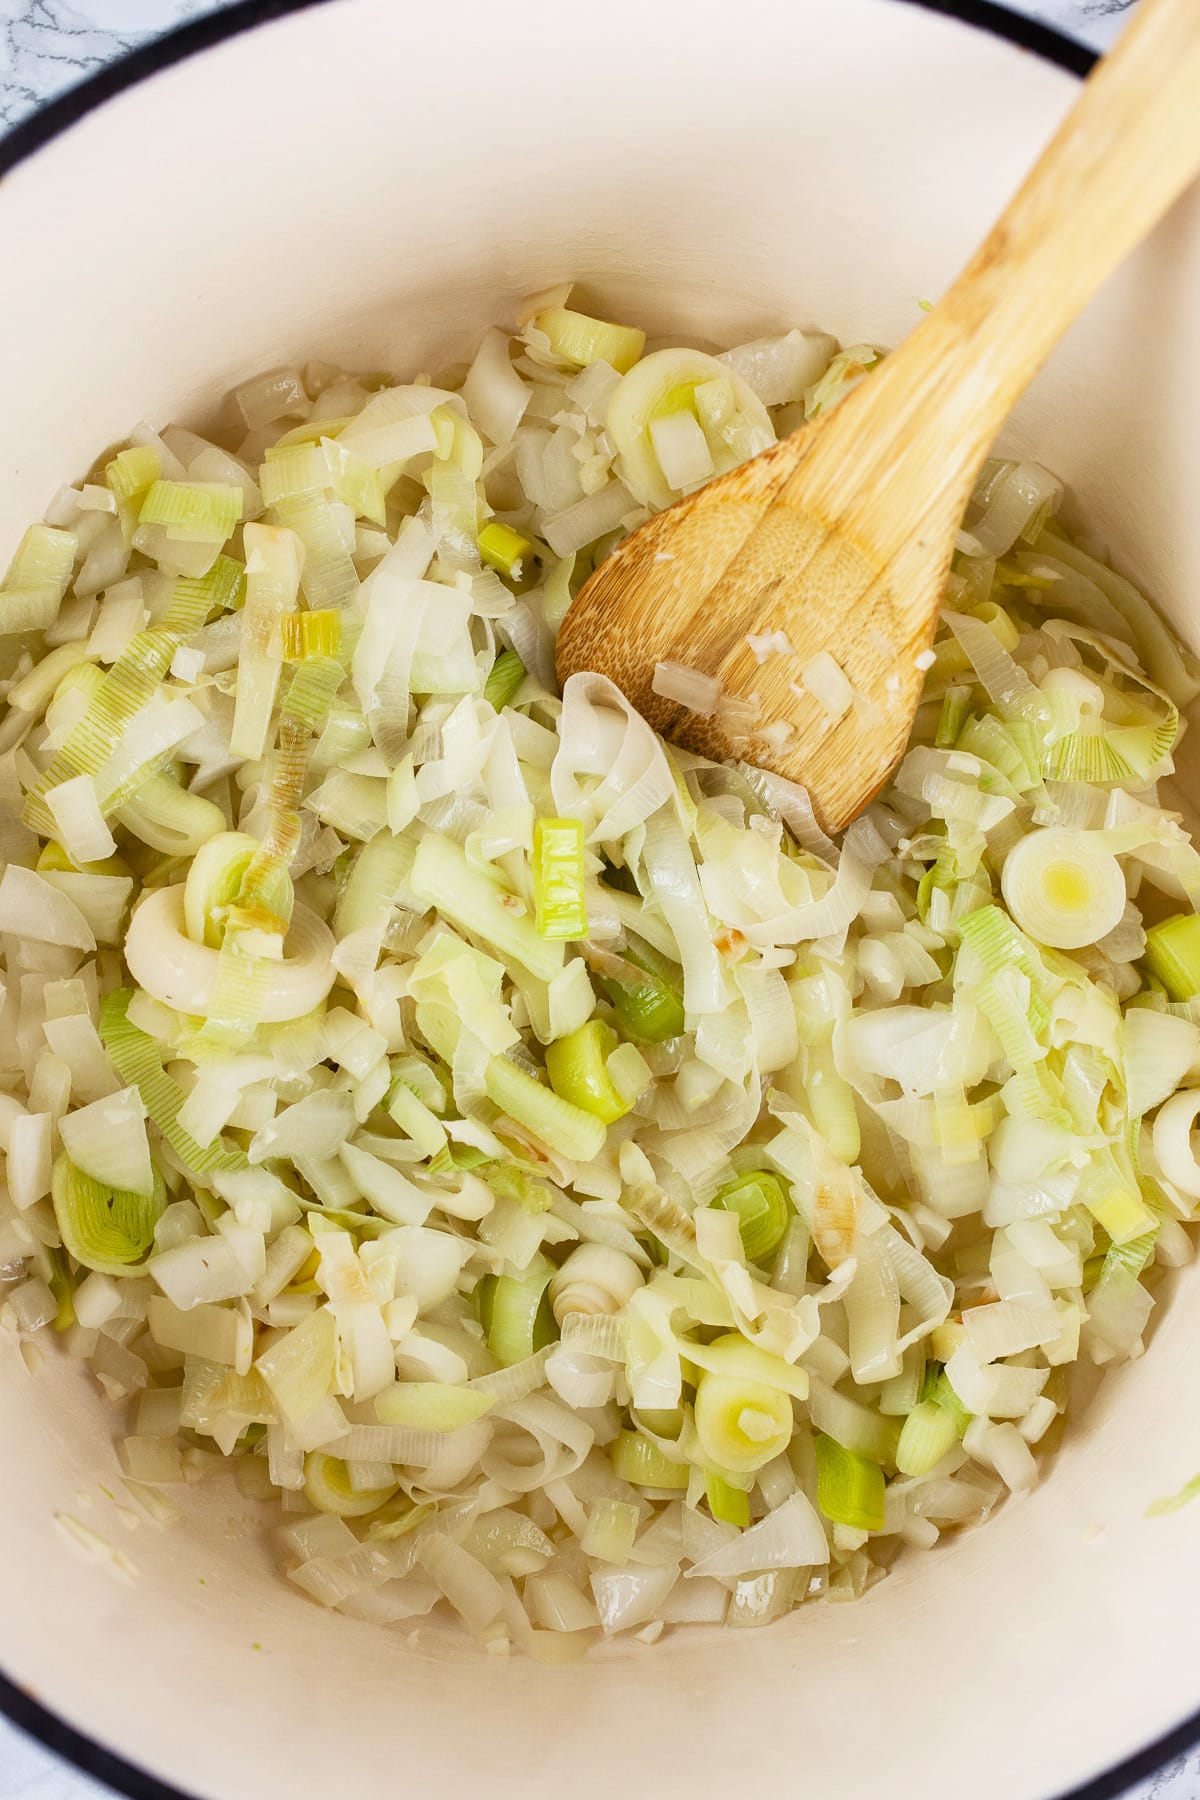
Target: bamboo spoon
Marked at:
842, 534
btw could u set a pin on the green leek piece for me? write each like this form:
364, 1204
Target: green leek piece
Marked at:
741, 1423
328, 576
635, 1459
762, 1211
1001, 945
1172, 955
200, 511
954, 716
929, 1431
61, 1282
850, 1487
214, 882
831, 1104
523, 1186
105, 1228
942, 874
576, 1067
53, 857
1130, 1257
327, 1488
26, 609
565, 1129
37, 579
306, 634
265, 887
43, 563
727, 1503
443, 877
504, 682
274, 558
132, 473
1170, 1503
289, 470
515, 1312
431, 1087
456, 1156
377, 873
431, 1405
224, 586
1117, 1206
398, 1518
936, 1387
577, 338
128, 686
356, 483
135, 1057
503, 549
649, 1011
416, 1120
558, 878
663, 1421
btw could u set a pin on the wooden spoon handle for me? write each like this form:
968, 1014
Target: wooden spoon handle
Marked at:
1126, 150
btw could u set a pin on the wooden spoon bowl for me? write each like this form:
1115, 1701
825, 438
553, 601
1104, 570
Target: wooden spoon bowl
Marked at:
841, 535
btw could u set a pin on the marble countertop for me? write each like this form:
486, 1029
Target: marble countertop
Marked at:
45, 46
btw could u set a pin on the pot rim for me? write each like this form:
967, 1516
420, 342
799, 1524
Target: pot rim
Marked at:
22, 141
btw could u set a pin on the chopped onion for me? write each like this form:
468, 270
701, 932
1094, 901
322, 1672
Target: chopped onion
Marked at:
697, 692
827, 682
489, 1124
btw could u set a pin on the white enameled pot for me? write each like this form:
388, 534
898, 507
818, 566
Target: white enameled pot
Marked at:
372, 181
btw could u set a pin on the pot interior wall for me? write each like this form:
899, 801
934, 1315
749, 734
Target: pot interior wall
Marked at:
372, 183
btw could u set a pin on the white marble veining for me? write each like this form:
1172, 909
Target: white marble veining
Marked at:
46, 46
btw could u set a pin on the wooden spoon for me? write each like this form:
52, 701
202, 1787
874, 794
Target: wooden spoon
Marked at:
841, 535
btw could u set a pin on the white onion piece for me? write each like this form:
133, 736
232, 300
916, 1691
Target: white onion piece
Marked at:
1014, 494
630, 1596
825, 679
165, 962
585, 520
496, 396
689, 688
1173, 1129
792, 803
780, 369
1160, 1049
863, 849
604, 741
108, 1141
80, 824
792, 1537
682, 450
32, 908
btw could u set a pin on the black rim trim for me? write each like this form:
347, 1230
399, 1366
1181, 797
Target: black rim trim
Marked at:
40, 128
84, 1752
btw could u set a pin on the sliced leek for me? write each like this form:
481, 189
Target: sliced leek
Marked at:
106, 1229
582, 1189
1063, 888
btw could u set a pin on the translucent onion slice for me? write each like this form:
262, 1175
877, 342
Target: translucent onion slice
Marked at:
1063, 888
165, 962
664, 383
1173, 1129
